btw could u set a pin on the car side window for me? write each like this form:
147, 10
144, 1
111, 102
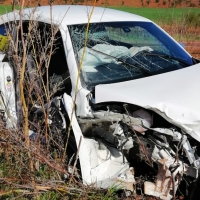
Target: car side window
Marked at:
53, 65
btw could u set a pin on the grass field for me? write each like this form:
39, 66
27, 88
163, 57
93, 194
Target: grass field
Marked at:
4, 9
160, 14
167, 15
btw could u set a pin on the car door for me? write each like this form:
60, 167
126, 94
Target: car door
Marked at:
7, 83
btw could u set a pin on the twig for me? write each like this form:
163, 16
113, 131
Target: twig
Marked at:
52, 165
142, 146
77, 155
24, 105
78, 77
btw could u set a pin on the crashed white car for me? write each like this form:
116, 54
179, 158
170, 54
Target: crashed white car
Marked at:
137, 98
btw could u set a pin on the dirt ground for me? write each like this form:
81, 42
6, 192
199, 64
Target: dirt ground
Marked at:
193, 48
135, 3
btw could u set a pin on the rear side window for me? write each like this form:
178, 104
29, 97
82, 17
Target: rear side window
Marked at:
3, 38
3, 30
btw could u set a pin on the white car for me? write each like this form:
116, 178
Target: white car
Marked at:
137, 99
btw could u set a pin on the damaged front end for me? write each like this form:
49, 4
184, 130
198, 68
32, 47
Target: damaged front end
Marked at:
135, 149
140, 128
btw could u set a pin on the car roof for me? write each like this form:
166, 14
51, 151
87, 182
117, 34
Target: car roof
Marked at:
73, 14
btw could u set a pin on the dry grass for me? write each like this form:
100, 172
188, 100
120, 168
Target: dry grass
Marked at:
28, 166
38, 167
189, 36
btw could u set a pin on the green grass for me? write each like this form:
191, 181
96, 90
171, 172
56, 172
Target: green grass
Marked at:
5, 9
160, 14
167, 15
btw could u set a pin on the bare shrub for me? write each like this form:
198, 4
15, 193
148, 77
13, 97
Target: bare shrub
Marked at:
31, 152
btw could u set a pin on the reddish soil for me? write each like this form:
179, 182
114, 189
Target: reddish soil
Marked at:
135, 3
193, 48
189, 40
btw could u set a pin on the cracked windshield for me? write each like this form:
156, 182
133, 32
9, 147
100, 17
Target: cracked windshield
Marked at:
124, 51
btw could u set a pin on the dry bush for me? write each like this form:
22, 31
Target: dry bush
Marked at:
33, 158
32, 152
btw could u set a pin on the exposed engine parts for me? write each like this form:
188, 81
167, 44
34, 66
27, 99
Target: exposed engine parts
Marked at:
135, 136
128, 143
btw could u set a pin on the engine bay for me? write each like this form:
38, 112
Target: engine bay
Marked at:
162, 157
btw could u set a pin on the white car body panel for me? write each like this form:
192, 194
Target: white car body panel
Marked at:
7, 94
70, 14
174, 95
99, 168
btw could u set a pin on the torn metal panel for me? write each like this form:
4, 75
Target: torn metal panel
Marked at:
170, 172
7, 95
160, 146
100, 166
163, 94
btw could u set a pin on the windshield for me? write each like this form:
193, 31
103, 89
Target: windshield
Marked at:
121, 51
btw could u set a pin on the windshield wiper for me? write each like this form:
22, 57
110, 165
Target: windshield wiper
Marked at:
124, 62
164, 56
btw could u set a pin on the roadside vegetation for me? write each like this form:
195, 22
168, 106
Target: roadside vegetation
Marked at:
167, 15
33, 159
5, 9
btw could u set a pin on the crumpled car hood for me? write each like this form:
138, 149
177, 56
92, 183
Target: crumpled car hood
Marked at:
174, 95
